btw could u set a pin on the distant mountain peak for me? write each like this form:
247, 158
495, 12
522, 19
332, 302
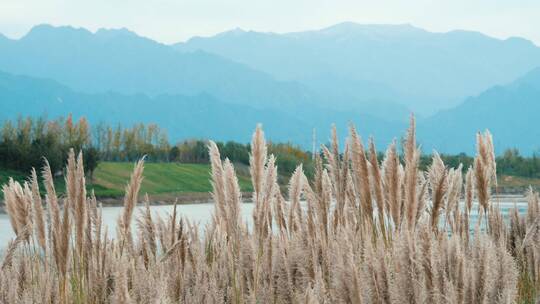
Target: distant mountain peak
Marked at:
47, 31
520, 40
116, 32
233, 34
239, 32
349, 25
352, 29
346, 27
234, 31
59, 35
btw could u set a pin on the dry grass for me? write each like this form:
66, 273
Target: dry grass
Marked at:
366, 234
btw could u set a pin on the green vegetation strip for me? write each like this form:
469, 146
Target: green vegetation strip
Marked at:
110, 178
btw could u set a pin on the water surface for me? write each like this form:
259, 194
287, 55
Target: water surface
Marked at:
196, 213
202, 213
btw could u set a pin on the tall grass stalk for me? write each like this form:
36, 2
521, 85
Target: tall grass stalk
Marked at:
363, 230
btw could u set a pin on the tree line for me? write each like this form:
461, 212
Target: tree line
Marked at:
25, 142
130, 144
510, 162
288, 156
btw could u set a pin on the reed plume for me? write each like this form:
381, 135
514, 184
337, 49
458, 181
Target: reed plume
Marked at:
130, 201
411, 156
392, 182
439, 185
39, 219
357, 232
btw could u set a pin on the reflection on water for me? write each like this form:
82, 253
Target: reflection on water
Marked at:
202, 213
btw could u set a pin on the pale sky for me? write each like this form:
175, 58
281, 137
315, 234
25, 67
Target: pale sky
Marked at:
171, 21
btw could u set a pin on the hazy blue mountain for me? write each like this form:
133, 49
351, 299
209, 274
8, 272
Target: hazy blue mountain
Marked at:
121, 61
198, 116
510, 112
116, 76
400, 63
532, 79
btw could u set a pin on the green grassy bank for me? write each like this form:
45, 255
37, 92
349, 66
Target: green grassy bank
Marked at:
110, 179
171, 179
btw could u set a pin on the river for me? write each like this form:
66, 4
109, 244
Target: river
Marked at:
197, 213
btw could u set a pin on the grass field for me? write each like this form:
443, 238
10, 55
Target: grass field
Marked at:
21, 177
159, 178
6, 174
110, 178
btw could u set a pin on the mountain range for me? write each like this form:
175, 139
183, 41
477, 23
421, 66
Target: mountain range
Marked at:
403, 64
509, 112
197, 116
219, 87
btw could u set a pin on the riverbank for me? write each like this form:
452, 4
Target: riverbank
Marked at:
166, 179
169, 199
191, 198
161, 199
166, 183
